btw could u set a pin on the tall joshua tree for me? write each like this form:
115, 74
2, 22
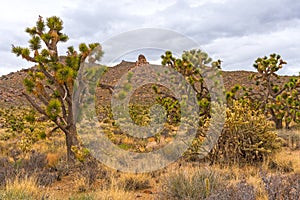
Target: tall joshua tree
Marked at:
280, 102
50, 84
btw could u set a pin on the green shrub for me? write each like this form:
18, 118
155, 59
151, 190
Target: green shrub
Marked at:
247, 137
21, 123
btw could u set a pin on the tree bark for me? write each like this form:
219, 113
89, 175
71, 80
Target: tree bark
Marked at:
278, 123
71, 140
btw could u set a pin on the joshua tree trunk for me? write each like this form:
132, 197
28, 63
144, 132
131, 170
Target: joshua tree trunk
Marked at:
71, 140
278, 123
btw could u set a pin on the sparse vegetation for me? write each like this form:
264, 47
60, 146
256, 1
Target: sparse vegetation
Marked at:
251, 160
279, 101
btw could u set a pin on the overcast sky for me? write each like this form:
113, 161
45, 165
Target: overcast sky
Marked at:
235, 31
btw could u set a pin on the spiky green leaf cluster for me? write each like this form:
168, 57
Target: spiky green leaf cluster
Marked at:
29, 84
194, 65
53, 109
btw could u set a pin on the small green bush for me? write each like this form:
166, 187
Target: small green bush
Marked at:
21, 123
247, 137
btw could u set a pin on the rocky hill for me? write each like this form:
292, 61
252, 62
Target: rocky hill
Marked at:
11, 85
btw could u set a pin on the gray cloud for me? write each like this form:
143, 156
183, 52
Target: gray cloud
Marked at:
236, 31
232, 18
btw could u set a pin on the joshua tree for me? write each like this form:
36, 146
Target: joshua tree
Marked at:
280, 102
50, 84
194, 65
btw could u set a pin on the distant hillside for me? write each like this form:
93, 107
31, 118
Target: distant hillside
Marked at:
11, 85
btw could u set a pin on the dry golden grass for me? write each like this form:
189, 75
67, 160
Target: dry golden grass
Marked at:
260, 191
291, 138
133, 182
225, 176
116, 185
115, 194
26, 189
130, 186
53, 159
288, 159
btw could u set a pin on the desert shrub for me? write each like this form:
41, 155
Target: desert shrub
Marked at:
139, 114
191, 185
89, 171
281, 165
282, 186
291, 138
6, 170
21, 123
247, 136
13, 119
36, 162
46, 178
239, 191
133, 182
172, 108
